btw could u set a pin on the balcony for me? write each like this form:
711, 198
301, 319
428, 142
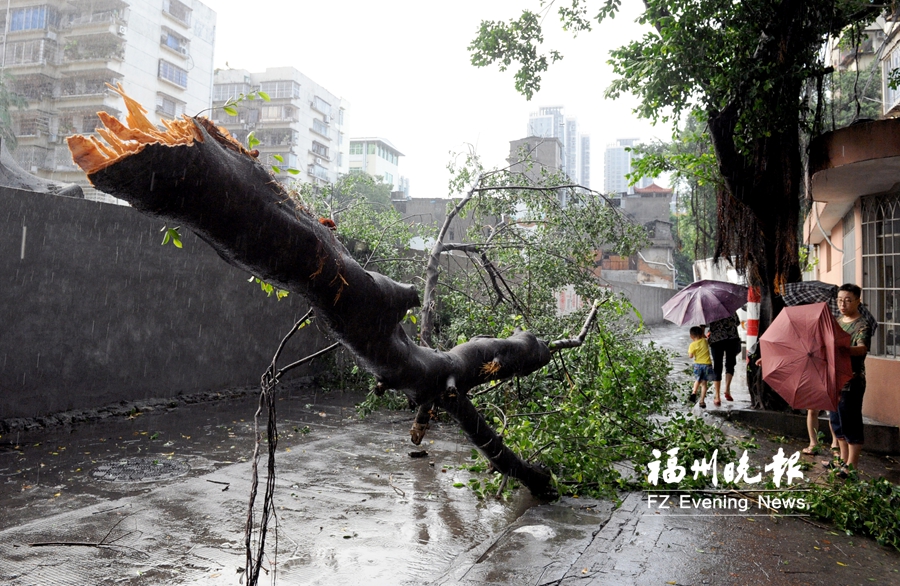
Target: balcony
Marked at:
28, 57
847, 163
318, 172
321, 129
90, 23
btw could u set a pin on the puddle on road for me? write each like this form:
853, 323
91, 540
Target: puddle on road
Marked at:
354, 505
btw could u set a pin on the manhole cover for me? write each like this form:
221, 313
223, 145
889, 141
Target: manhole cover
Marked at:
140, 470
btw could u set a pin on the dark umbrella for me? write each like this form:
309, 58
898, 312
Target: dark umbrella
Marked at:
806, 292
704, 302
805, 357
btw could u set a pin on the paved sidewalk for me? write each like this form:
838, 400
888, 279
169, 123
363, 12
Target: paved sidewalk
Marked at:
586, 543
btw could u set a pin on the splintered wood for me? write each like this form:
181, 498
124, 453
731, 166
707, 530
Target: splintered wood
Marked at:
122, 140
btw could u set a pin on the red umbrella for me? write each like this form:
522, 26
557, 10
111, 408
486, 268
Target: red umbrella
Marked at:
704, 302
805, 357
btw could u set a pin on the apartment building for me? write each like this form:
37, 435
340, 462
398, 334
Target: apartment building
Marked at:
379, 158
61, 54
301, 128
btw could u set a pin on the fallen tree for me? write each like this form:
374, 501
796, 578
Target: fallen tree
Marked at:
197, 176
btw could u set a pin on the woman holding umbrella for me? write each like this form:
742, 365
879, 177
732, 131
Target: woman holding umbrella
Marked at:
847, 421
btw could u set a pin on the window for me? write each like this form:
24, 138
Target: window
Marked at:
848, 263
881, 269
277, 113
320, 127
356, 148
173, 73
31, 157
318, 171
891, 96
341, 116
34, 51
320, 149
31, 18
169, 106
371, 148
174, 41
389, 179
277, 137
222, 92
178, 11
321, 105
281, 89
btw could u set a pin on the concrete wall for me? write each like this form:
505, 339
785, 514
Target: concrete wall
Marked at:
882, 401
94, 310
644, 208
648, 301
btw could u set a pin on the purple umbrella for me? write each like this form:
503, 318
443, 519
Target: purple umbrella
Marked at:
704, 302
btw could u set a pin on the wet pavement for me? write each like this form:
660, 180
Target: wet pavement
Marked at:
355, 508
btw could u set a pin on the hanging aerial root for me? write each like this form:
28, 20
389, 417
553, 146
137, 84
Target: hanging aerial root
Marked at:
123, 140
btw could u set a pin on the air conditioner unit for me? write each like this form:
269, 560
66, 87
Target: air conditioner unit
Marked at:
318, 161
51, 35
122, 30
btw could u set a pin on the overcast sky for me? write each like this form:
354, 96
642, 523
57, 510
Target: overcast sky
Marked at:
404, 68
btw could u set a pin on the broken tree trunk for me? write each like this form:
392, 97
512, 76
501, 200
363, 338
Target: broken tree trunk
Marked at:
197, 176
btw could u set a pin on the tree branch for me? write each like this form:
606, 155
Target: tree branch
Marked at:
579, 339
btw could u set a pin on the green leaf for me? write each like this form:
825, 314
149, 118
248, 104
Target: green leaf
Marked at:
278, 158
276, 169
264, 96
230, 110
252, 141
293, 171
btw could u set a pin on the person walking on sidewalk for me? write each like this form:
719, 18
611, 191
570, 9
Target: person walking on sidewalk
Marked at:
703, 372
725, 345
847, 422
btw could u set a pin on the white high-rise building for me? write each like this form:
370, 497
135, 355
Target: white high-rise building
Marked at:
550, 122
617, 163
379, 158
61, 54
300, 129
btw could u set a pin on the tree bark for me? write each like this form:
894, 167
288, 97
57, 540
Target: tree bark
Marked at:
232, 202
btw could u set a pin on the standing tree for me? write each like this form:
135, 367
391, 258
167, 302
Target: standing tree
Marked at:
747, 69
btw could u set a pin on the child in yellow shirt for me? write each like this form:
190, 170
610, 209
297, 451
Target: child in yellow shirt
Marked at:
703, 370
